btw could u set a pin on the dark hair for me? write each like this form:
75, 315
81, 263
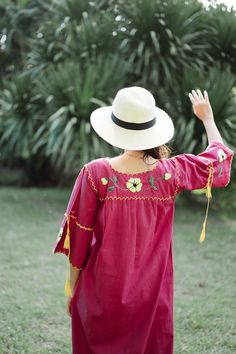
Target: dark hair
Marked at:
159, 152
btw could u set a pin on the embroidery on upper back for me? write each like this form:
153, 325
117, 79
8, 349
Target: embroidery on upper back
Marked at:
165, 177
134, 184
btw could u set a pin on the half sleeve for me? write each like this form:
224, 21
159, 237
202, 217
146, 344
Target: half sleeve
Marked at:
209, 168
76, 232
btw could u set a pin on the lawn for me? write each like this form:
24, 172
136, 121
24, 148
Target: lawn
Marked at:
32, 302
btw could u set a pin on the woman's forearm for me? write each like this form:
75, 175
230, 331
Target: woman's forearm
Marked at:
74, 276
212, 131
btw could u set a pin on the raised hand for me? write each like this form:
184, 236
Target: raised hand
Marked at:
201, 105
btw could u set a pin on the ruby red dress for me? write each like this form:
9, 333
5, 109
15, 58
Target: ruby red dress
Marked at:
121, 228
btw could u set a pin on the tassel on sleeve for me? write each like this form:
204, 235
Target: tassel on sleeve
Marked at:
209, 196
68, 291
67, 238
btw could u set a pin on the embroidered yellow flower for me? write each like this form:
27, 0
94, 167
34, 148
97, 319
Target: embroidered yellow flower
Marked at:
167, 176
134, 185
221, 155
104, 181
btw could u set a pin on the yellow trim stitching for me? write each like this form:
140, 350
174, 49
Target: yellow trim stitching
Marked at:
92, 183
136, 198
78, 224
84, 227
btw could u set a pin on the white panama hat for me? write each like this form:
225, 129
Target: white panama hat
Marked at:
133, 122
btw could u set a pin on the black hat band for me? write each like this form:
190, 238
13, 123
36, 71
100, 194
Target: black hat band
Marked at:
133, 126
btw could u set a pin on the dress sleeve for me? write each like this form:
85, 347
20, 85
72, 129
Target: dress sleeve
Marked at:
210, 168
76, 232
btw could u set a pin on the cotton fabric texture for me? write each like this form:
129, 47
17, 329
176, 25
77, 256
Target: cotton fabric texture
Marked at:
121, 233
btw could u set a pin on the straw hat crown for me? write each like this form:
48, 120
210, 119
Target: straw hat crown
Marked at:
133, 122
134, 104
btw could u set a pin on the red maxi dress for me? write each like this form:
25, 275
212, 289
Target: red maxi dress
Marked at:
120, 229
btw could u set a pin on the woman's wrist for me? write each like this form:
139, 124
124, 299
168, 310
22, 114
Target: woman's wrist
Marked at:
212, 131
209, 118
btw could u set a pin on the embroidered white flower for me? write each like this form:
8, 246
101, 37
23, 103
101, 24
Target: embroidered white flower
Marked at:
134, 185
221, 155
104, 181
167, 176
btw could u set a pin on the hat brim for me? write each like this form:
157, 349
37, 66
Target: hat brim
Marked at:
157, 135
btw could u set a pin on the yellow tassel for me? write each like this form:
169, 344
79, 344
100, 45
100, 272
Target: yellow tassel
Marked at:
67, 238
68, 291
203, 233
209, 196
208, 192
67, 242
209, 183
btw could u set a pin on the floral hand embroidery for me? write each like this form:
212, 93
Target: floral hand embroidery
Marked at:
104, 180
134, 185
221, 155
167, 176
220, 171
152, 183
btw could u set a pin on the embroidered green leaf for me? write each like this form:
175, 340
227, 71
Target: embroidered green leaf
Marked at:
114, 179
155, 188
111, 188
151, 180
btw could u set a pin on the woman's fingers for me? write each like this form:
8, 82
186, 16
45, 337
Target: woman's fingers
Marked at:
206, 96
68, 311
200, 94
68, 306
197, 97
191, 98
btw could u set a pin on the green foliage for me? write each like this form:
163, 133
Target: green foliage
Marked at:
189, 132
62, 59
16, 23
21, 114
71, 33
18, 117
71, 92
163, 38
223, 38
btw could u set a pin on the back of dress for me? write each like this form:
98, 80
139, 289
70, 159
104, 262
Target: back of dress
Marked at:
119, 228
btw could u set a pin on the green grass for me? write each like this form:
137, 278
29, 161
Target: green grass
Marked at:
32, 303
